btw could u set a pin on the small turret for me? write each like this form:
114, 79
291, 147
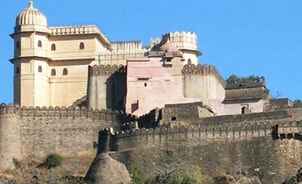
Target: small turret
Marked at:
186, 42
31, 58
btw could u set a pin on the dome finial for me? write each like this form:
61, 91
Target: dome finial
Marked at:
31, 4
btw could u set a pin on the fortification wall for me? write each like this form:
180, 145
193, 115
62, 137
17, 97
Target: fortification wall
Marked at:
272, 160
36, 132
218, 151
107, 87
10, 138
186, 113
213, 129
195, 135
210, 85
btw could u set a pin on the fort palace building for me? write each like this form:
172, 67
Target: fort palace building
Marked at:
73, 83
80, 66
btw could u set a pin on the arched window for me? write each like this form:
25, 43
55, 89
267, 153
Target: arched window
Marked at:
40, 43
53, 72
53, 47
243, 110
65, 71
40, 69
82, 46
145, 84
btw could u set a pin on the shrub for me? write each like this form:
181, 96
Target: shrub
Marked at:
53, 160
234, 82
137, 176
182, 179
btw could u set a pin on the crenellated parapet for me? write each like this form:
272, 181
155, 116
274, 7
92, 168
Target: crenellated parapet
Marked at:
192, 135
106, 70
205, 132
60, 113
8, 109
79, 30
203, 70
127, 46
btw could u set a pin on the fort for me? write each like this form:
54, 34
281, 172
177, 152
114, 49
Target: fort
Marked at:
72, 82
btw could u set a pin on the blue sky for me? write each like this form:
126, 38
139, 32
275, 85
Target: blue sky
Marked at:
261, 37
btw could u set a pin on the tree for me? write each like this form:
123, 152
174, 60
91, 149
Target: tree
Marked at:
241, 82
53, 160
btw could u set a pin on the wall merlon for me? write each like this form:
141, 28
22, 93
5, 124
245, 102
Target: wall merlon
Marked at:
106, 70
69, 30
203, 70
60, 113
9, 109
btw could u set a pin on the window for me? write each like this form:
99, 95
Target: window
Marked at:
173, 118
40, 69
145, 84
53, 72
18, 44
17, 70
82, 46
65, 71
53, 47
134, 107
39, 43
243, 110
189, 61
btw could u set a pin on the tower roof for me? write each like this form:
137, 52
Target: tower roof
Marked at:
31, 16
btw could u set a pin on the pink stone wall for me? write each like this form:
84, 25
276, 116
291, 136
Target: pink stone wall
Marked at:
253, 107
150, 86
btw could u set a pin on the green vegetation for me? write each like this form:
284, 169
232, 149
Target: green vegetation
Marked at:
292, 180
244, 82
53, 160
170, 177
137, 176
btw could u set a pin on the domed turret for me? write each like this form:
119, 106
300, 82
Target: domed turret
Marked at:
31, 18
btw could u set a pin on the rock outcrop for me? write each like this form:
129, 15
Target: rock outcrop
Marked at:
104, 169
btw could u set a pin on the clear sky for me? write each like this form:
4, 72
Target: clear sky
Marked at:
261, 37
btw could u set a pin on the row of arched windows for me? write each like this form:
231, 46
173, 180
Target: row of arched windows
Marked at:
54, 47
54, 72
40, 70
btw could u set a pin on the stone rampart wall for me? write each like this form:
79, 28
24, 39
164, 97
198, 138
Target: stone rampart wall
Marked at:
37, 132
207, 130
243, 119
210, 85
191, 136
218, 150
107, 87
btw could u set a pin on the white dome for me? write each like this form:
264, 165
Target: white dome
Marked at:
31, 16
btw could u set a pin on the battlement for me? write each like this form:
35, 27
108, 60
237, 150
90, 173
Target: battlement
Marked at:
106, 69
211, 131
193, 135
78, 30
129, 46
190, 69
58, 112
